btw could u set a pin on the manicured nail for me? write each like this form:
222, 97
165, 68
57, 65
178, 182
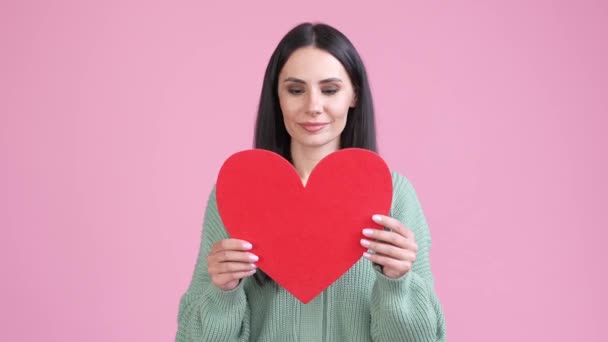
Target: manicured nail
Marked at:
364, 243
368, 232
377, 218
247, 245
367, 255
253, 257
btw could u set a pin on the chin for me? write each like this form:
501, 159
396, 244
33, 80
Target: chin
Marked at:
316, 141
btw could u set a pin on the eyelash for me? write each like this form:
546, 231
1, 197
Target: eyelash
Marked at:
299, 92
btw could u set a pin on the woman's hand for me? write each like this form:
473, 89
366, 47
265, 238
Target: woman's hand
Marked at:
228, 262
395, 250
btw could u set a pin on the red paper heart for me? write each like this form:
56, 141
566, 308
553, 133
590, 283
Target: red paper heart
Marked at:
306, 237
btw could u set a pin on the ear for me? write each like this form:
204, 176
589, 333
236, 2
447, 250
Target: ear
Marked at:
353, 103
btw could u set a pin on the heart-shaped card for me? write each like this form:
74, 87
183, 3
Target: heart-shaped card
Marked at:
306, 236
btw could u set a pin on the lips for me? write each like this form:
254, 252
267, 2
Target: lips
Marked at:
313, 126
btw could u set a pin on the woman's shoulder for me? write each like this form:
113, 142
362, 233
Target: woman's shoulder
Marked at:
400, 182
405, 198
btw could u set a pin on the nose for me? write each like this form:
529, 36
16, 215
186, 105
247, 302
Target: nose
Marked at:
314, 105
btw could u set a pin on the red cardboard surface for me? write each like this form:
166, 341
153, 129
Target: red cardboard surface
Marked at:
306, 237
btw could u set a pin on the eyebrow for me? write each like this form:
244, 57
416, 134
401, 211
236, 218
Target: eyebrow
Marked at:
297, 80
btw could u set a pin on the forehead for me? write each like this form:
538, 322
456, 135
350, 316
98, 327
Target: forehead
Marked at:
311, 64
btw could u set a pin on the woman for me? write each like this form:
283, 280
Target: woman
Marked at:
315, 100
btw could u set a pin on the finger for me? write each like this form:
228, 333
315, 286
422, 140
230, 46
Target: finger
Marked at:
387, 237
388, 262
231, 267
224, 278
386, 249
409, 245
232, 256
407, 257
393, 224
231, 244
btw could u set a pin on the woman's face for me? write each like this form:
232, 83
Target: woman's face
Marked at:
315, 94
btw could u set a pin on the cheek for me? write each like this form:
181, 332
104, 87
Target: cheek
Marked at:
289, 107
339, 109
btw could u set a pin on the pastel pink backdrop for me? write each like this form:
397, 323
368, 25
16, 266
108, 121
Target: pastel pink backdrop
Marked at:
116, 116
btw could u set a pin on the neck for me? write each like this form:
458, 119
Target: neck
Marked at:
305, 158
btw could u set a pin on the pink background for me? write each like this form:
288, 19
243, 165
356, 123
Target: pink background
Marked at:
116, 116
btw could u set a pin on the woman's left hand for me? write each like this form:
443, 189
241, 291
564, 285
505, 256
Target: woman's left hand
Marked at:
395, 250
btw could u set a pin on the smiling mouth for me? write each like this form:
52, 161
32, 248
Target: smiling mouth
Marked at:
313, 127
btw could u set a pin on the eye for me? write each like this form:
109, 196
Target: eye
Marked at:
295, 91
330, 91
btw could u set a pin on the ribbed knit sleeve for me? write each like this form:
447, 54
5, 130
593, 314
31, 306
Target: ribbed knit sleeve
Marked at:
407, 309
207, 313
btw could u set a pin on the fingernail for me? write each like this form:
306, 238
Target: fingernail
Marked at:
367, 255
377, 218
253, 266
368, 232
253, 257
364, 243
247, 245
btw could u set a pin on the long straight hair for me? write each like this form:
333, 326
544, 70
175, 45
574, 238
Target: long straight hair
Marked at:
360, 129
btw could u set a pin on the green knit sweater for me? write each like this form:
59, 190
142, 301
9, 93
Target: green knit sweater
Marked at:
362, 305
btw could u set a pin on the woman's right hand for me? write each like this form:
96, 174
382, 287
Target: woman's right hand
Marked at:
229, 262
